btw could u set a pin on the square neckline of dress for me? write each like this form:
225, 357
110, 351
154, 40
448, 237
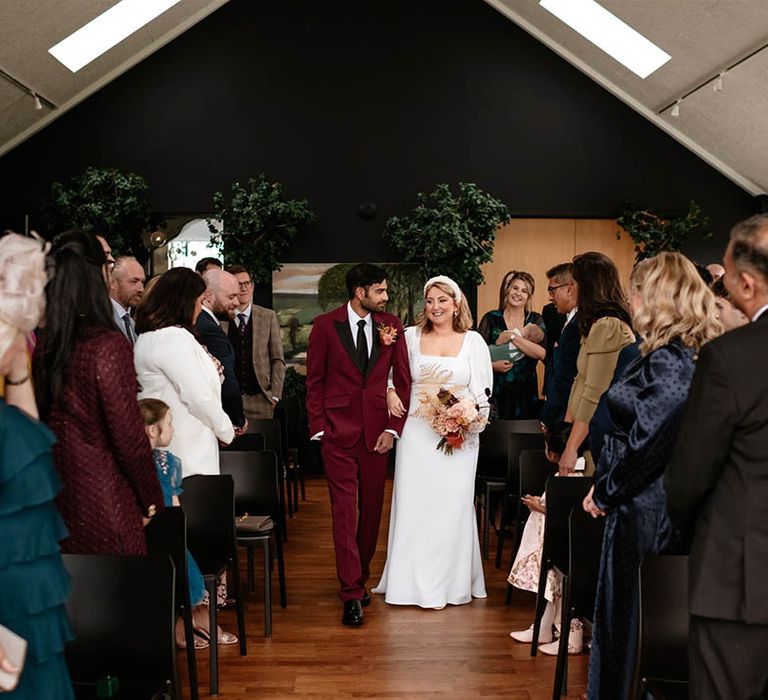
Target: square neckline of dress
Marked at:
445, 357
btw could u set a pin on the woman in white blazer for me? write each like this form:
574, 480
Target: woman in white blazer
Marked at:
174, 367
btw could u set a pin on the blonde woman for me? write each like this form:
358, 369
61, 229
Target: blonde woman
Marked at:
433, 556
674, 313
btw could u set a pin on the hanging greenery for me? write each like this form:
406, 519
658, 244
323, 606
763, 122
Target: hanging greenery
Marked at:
449, 234
259, 223
652, 233
105, 201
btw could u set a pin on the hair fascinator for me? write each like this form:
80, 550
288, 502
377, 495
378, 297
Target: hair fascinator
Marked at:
447, 281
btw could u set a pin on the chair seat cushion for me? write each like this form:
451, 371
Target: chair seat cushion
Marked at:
253, 524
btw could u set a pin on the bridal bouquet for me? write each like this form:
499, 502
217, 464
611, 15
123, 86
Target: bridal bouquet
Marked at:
451, 417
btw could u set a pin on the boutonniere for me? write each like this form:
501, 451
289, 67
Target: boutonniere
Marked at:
387, 333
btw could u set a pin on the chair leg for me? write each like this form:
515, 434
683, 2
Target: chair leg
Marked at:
283, 517
541, 604
239, 603
508, 596
267, 588
286, 490
295, 488
213, 637
486, 519
303, 485
281, 571
189, 638
519, 525
249, 567
503, 529
561, 668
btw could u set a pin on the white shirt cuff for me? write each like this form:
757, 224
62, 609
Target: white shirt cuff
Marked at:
393, 432
317, 436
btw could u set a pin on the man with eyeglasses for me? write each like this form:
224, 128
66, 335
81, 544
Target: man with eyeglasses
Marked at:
561, 369
259, 359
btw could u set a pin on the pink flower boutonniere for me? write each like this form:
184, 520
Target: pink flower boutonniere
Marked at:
387, 333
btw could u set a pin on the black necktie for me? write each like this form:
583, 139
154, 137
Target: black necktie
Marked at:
362, 346
128, 329
241, 322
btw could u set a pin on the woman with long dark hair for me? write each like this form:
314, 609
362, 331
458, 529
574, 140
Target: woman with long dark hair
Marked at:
174, 367
605, 328
86, 390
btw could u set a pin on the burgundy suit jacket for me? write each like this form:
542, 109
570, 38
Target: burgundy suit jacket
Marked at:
341, 400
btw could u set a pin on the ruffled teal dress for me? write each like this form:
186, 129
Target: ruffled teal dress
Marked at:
170, 475
33, 581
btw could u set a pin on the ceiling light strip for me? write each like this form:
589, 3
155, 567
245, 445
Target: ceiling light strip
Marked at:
107, 30
606, 31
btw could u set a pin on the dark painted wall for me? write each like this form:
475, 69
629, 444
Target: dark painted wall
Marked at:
348, 102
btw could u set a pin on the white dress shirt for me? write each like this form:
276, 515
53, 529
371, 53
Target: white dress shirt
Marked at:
760, 311
118, 313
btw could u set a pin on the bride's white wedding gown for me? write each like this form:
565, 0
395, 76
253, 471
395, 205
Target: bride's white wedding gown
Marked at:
433, 555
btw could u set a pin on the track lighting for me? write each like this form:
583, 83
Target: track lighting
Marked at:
38, 104
717, 86
676, 109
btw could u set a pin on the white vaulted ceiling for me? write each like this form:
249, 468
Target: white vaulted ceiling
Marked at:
28, 28
728, 129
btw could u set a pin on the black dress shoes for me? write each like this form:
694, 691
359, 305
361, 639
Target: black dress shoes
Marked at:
353, 613
366, 599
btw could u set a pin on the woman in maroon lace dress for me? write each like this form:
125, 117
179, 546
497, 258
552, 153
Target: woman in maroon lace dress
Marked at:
86, 390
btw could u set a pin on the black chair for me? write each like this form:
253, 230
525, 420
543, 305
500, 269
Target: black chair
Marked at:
122, 614
244, 442
289, 411
585, 546
256, 494
491, 472
663, 649
563, 494
535, 469
273, 440
167, 537
510, 505
209, 505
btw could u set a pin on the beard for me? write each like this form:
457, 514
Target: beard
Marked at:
369, 305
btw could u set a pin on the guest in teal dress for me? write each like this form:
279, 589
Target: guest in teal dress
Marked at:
159, 427
515, 384
33, 582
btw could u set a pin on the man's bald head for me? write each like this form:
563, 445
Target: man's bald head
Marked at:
221, 293
126, 285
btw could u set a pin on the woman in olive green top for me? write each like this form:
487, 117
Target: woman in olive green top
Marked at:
604, 324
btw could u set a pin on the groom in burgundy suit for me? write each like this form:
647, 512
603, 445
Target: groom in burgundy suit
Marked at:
350, 354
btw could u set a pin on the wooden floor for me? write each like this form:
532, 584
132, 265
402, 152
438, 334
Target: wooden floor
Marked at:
400, 652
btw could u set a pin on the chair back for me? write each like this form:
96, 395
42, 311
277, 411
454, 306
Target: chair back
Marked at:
516, 444
209, 506
167, 537
584, 552
255, 479
492, 456
244, 442
121, 610
563, 495
273, 435
526, 425
664, 618
535, 469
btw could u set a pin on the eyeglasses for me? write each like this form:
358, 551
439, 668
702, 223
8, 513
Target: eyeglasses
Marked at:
551, 290
245, 285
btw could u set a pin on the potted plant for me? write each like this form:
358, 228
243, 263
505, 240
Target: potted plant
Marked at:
257, 225
449, 234
105, 201
653, 233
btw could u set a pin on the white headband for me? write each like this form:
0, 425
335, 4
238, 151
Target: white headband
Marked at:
447, 281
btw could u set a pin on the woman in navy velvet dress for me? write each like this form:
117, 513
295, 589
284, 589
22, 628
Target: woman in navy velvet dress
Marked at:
674, 312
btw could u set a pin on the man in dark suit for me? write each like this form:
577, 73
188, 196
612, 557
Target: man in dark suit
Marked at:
349, 359
717, 486
561, 367
219, 304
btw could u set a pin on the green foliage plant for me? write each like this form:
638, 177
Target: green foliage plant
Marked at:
259, 224
653, 234
105, 201
449, 234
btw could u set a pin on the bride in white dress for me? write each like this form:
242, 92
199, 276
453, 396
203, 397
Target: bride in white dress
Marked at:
433, 555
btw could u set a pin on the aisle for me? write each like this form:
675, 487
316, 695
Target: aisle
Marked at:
460, 652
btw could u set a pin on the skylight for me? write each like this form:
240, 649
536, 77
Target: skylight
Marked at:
107, 30
609, 33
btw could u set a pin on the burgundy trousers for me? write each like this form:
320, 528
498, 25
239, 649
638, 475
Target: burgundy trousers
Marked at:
356, 484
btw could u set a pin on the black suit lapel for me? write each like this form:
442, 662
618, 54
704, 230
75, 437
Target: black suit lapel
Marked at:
345, 335
376, 349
